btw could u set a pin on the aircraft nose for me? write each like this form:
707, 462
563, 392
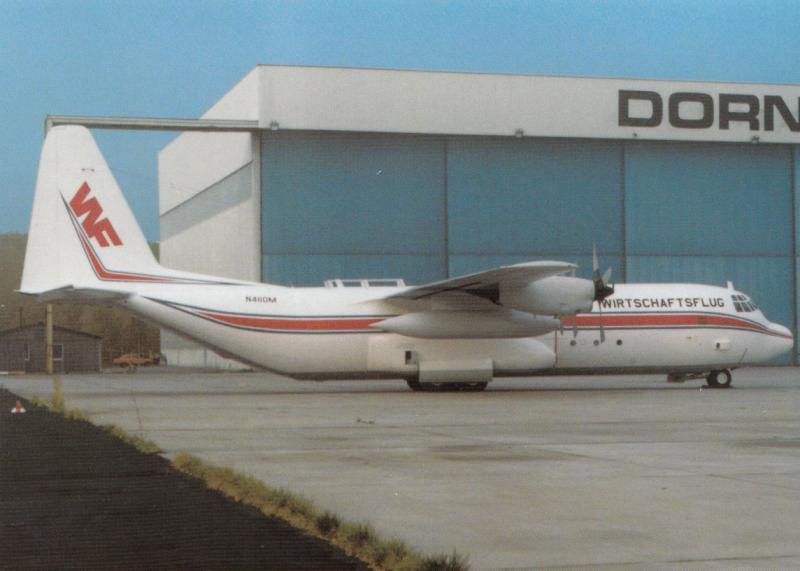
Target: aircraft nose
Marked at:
784, 337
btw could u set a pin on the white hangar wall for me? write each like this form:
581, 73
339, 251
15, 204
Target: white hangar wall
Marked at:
421, 175
209, 206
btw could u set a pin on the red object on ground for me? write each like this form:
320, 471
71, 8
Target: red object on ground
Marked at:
18, 408
132, 360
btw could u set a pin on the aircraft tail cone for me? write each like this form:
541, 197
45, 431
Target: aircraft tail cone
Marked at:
18, 408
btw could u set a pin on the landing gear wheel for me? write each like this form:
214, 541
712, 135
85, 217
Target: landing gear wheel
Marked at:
415, 385
418, 387
719, 379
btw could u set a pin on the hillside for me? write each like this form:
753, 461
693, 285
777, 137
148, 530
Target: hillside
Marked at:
121, 332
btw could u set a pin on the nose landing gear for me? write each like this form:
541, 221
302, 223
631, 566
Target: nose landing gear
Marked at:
719, 379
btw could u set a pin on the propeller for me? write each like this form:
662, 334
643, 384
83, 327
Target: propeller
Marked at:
601, 288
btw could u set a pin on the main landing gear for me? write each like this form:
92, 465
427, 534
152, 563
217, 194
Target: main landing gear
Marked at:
416, 386
719, 379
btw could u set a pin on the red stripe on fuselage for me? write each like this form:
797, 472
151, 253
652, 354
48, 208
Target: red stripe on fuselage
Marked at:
656, 320
298, 324
301, 324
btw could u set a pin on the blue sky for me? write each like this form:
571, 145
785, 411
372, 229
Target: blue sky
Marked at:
175, 59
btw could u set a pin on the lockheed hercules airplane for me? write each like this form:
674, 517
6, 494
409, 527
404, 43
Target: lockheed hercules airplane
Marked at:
456, 334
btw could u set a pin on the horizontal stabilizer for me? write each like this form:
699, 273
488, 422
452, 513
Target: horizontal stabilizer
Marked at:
79, 294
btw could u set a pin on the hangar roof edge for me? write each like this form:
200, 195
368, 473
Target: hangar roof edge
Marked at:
523, 74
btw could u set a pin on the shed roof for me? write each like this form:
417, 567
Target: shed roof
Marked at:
40, 325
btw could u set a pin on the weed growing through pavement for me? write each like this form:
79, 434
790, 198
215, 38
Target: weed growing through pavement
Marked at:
57, 402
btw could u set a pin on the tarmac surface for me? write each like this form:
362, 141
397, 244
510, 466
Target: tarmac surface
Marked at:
605, 472
74, 497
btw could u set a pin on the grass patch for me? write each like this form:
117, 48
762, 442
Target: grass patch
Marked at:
327, 524
356, 539
75, 414
57, 402
141, 444
454, 562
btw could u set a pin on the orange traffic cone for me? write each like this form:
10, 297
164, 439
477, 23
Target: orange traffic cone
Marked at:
18, 408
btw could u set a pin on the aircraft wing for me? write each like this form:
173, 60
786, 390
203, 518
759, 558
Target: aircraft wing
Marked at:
487, 284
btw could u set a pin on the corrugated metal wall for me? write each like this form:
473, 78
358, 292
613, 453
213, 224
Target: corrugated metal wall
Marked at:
510, 200
352, 205
374, 205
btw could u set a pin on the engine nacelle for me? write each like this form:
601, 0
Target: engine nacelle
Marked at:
457, 324
556, 295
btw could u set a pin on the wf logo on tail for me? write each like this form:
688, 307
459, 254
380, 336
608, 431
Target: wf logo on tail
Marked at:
102, 230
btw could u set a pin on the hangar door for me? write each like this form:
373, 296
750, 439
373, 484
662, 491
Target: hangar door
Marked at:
352, 206
513, 200
710, 213
422, 208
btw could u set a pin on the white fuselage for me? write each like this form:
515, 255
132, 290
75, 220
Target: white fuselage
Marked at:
327, 333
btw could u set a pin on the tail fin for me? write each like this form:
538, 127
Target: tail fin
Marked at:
81, 226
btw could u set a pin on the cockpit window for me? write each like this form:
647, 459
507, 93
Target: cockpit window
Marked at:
742, 304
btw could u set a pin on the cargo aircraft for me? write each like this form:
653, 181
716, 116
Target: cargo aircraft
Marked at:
455, 334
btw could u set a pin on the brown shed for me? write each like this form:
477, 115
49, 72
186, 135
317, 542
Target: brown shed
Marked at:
23, 349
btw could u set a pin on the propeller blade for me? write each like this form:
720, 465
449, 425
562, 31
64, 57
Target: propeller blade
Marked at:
601, 288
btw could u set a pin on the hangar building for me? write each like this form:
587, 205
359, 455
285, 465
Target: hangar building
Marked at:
373, 173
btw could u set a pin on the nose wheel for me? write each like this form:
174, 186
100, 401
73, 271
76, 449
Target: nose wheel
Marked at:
719, 379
